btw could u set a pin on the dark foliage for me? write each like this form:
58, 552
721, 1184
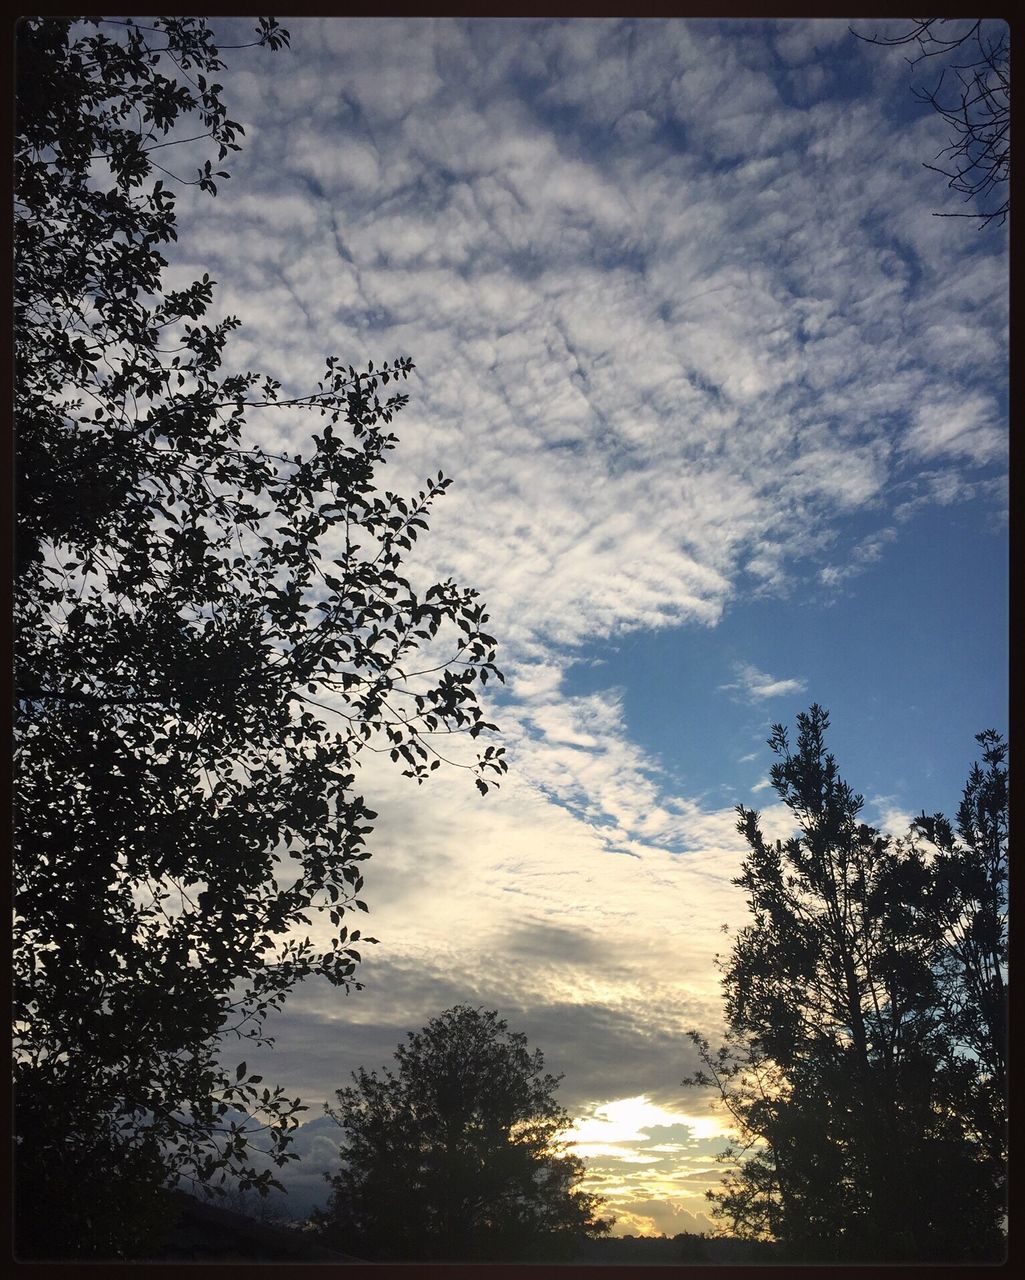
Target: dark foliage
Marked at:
867, 1006
84, 1194
975, 102
208, 635
456, 1156
218, 1233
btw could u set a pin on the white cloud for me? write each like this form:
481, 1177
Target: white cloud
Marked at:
756, 686
959, 426
801, 41
889, 817
627, 1121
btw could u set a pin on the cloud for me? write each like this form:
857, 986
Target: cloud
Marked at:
648, 1217
681, 314
604, 960
756, 686
890, 818
803, 41
635, 1122
664, 374
957, 425
654, 1163
864, 553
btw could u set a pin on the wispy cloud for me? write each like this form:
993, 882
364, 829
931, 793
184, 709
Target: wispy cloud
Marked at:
859, 557
953, 425
756, 686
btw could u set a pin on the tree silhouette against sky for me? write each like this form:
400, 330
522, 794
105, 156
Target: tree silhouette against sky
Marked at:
456, 1155
209, 633
866, 1004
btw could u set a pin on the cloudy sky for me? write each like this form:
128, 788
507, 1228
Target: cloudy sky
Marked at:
725, 409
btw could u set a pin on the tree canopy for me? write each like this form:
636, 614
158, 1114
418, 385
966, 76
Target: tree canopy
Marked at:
209, 634
866, 1004
456, 1155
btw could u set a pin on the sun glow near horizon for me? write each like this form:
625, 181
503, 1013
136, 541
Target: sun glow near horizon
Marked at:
612, 1127
652, 1162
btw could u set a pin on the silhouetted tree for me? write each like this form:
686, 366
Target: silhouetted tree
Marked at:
967, 897
457, 1155
866, 1098
209, 633
977, 161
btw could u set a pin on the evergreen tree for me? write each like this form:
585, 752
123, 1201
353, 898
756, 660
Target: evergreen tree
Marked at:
865, 1004
456, 1156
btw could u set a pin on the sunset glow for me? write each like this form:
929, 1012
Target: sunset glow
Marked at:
616, 1127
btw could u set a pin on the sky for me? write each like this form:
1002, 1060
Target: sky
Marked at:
724, 405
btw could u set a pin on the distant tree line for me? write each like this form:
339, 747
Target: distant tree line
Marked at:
866, 1071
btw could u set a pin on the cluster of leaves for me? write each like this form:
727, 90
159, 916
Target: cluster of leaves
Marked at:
456, 1156
866, 1002
977, 108
208, 635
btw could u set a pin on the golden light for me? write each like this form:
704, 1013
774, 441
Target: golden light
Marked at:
613, 1128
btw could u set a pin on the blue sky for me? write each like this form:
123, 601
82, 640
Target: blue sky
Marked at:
725, 408
929, 615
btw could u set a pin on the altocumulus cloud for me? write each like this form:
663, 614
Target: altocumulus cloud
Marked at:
680, 312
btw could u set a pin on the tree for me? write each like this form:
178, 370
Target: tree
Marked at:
977, 161
968, 898
866, 1101
208, 636
457, 1155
